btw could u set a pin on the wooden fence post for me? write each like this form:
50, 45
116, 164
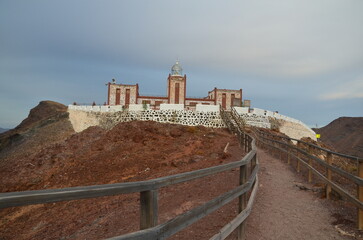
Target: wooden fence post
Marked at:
242, 202
288, 156
297, 159
310, 175
148, 209
274, 150
240, 138
360, 196
253, 163
246, 143
328, 173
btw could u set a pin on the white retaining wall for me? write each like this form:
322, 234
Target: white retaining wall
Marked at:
81, 120
83, 117
258, 111
255, 120
241, 110
96, 108
291, 127
207, 108
166, 106
138, 107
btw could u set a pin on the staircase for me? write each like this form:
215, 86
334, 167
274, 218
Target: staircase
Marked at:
232, 120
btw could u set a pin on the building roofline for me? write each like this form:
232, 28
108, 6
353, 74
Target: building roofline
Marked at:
200, 99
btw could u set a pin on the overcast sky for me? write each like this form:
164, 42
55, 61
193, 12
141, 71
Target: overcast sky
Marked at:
301, 58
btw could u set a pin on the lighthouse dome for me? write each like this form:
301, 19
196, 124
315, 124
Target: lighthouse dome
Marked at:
176, 69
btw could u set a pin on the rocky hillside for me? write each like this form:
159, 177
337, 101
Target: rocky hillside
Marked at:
131, 151
46, 124
3, 130
344, 134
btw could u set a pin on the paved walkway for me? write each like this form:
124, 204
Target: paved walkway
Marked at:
283, 211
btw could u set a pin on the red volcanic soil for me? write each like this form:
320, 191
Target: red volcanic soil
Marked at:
130, 151
43, 152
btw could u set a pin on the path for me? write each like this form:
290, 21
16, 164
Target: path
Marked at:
283, 211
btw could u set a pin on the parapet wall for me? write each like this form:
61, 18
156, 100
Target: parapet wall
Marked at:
81, 119
255, 120
263, 118
295, 129
142, 107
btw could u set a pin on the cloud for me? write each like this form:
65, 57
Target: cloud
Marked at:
286, 39
287, 50
348, 90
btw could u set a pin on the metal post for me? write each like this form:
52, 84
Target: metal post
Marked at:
148, 209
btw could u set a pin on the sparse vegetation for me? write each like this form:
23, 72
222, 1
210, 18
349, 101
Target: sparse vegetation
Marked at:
144, 106
191, 129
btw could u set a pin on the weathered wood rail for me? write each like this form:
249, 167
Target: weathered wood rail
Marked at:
150, 229
288, 151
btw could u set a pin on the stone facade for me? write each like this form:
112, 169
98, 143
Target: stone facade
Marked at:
267, 119
227, 98
176, 89
125, 94
154, 102
121, 94
255, 120
191, 103
81, 119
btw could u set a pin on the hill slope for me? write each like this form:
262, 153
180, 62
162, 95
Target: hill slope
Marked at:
3, 130
46, 124
344, 134
131, 151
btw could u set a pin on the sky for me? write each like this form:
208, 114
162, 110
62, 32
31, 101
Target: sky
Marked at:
301, 58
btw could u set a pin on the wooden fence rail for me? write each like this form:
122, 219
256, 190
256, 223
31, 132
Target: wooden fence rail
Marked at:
284, 146
150, 229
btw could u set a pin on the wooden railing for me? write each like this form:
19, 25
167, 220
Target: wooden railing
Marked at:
150, 229
303, 153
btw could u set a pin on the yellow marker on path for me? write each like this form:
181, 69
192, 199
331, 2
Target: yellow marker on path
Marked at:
318, 136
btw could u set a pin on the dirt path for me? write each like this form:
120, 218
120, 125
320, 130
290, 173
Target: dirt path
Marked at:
283, 211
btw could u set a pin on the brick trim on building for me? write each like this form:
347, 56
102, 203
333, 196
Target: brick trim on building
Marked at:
173, 78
